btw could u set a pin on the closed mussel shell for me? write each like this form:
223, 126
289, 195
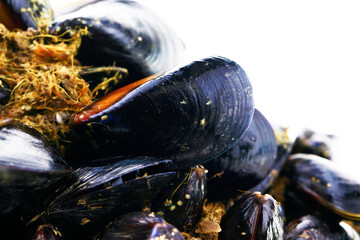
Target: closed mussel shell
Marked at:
325, 182
254, 216
92, 196
125, 33
140, 225
312, 227
27, 163
189, 115
184, 201
245, 164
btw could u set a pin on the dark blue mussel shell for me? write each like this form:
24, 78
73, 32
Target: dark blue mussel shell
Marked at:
189, 115
254, 216
246, 164
184, 201
325, 182
125, 33
140, 225
310, 227
25, 13
90, 197
28, 163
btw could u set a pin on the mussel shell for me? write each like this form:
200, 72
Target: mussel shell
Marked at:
326, 183
189, 115
310, 227
140, 225
123, 32
184, 201
90, 197
27, 163
25, 13
245, 164
314, 143
254, 216
5, 92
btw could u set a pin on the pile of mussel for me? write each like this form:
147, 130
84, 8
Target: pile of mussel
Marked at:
171, 152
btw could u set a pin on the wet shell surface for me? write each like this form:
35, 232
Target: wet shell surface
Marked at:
247, 163
189, 115
326, 183
129, 35
254, 216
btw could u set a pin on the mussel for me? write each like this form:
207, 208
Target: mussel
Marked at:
129, 35
254, 216
311, 227
4, 92
140, 225
247, 163
189, 115
94, 195
321, 179
28, 163
184, 201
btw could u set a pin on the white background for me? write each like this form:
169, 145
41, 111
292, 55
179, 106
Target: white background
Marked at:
302, 57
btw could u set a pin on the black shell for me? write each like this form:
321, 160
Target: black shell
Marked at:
314, 143
25, 13
184, 201
140, 225
326, 183
27, 163
247, 163
254, 216
123, 32
311, 227
4, 92
188, 115
92, 196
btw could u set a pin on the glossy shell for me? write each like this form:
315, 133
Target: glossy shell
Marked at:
128, 34
254, 216
326, 183
27, 163
47, 232
140, 225
311, 227
189, 115
247, 163
184, 201
94, 195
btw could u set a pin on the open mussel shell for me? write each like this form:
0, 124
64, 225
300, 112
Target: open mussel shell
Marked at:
184, 201
246, 163
90, 197
27, 163
189, 115
123, 32
254, 216
25, 13
140, 225
326, 183
311, 227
